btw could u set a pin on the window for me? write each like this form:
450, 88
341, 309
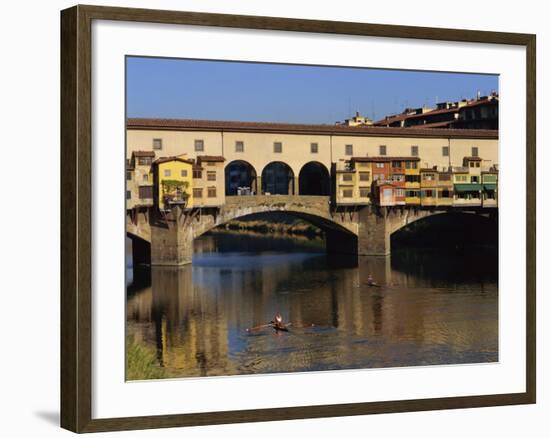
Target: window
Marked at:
157, 144
472, 164
382, 149
239, 146
428, 177
414, 151
428, 193
314, 148
277, 147
184, 173
397, 177
211, 175
197, 174
478, 164
349, 149
199, 145
445, 151
400, 193
445, 194
444, 177
146, 192
347, 177
364, 192
210, 163
211, 192
396, 164
412, 178
128, 194
145, 161
145, 177
128, 176
411, 194
411, 165
167, 172
475, 179
197, 193
475, 151
347, 193
364, 176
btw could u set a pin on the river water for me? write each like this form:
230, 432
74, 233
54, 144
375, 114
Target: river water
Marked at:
432, 307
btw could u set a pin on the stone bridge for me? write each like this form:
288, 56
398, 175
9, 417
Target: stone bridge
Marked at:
167, 238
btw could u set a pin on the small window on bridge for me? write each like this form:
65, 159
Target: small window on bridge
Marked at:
184, 173
445, 151
314, 148
129, 176
364, 192
157, 144
414, 151
211, 175
211, 192
199, 145
383, 149
348, 193
364, 176
197, 174
347, 177
349, 149
239, 146
167, 172
128, 194
475, 151
146, 192
277, 147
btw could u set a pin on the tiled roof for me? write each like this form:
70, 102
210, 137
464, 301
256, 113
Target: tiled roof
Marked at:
143, 153
371, 159
167, 159
216, 158
291, 128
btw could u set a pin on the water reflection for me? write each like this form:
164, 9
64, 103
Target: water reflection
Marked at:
429, 309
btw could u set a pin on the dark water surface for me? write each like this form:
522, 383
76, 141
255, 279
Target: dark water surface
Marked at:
432, 308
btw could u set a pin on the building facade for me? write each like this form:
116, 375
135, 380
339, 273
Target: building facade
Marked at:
347, 162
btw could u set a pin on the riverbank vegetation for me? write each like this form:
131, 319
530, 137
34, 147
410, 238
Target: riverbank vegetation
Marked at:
274, 223
141, 363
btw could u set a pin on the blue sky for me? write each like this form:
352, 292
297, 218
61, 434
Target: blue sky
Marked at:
219, 90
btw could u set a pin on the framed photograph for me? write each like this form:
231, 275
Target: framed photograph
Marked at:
269, 218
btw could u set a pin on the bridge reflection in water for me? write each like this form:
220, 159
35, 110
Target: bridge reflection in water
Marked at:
429, 310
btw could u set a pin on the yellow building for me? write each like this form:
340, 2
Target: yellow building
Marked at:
353, 181
174, 182
428, 187
412, 181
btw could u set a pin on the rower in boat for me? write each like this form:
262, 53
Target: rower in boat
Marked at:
278, 323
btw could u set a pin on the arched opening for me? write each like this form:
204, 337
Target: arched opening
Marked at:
240, 178
278, 179
456, 247
448, 230
314, 179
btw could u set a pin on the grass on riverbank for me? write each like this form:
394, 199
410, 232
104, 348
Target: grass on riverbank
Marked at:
141, 363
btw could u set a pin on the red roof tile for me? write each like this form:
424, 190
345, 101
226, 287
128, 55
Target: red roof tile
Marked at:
290, 128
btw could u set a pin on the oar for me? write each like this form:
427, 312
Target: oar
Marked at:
260, 327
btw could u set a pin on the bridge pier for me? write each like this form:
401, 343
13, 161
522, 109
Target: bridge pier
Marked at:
373, 237
171, 238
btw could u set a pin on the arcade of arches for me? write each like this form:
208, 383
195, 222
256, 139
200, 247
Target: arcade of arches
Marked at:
277, 178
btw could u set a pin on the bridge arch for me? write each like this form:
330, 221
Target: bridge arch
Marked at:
445, 228
278, 179
314, 179
240, 173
